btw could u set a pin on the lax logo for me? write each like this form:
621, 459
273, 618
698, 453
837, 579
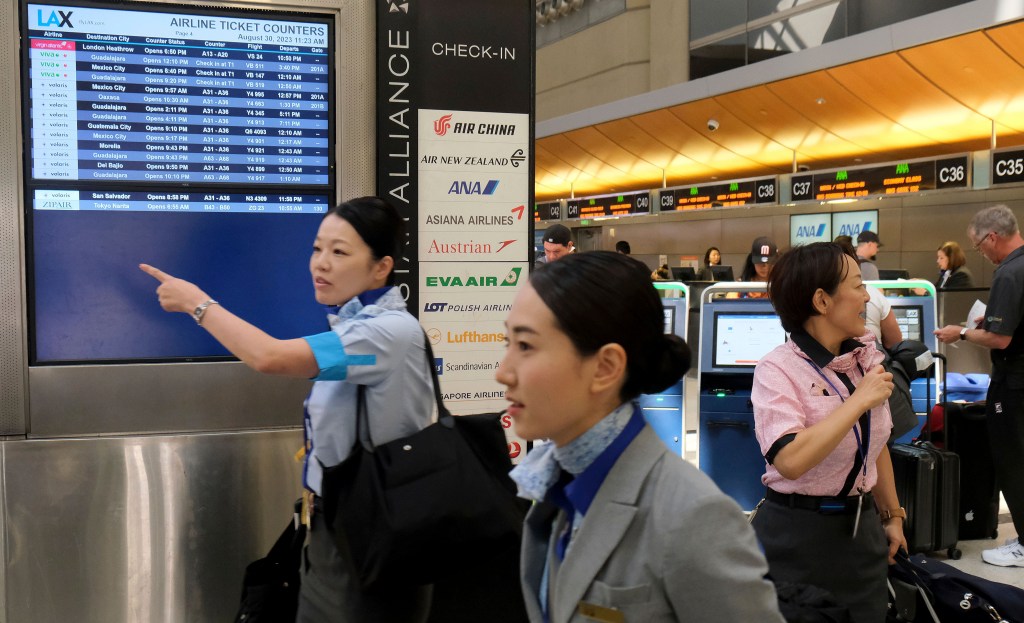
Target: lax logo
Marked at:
441, 125
53, 20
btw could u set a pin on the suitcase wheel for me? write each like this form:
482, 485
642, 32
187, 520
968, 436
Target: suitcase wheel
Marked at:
954, 553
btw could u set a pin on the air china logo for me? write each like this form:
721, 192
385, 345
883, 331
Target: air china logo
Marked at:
473, 188
441, 125
465, 248
473, 281
56, 19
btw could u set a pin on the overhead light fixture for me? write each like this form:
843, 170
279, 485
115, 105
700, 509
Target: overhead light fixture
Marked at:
838, 201
819, 101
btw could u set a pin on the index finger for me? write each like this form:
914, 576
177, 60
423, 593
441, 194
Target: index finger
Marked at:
155, 273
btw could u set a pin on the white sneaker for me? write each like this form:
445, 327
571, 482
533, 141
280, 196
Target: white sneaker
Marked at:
1010, 555
1012, 541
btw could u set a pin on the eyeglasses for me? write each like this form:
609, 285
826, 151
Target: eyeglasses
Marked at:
977, 245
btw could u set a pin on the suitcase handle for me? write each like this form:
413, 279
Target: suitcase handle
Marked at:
728, 424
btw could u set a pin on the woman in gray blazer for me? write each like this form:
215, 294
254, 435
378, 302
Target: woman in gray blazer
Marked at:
623, 529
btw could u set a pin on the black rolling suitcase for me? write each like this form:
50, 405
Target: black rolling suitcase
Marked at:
967, 435
928, 486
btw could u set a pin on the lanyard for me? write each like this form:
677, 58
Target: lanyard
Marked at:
862, 446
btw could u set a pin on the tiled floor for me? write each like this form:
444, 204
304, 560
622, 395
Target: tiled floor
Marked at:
971, 560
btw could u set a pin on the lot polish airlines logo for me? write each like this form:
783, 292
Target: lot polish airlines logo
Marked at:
56, 19
441, 125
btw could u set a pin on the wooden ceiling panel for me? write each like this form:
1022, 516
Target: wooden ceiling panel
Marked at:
622, 162
889, 84
825, 101
734, 140
976, 72
632, 138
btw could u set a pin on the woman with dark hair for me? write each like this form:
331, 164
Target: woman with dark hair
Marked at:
374, 342
622, 527
712, 257
830, 516
953, 274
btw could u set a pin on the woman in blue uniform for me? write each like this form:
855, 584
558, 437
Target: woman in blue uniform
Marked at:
374, 342
623, 529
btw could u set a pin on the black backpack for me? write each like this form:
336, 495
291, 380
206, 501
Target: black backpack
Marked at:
901, 361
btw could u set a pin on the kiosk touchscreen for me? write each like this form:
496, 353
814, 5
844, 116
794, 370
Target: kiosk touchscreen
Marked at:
735, 334
664, 411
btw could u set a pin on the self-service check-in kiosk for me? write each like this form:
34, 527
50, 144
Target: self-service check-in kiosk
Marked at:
738, 326
664, 411
913, 304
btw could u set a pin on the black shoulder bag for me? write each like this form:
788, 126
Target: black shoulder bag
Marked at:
418, 509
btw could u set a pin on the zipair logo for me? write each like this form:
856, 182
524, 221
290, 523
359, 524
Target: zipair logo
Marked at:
55, 19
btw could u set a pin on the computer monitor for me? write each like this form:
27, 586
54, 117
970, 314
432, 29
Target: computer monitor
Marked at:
742, 338
684, 273
670, 319
722, 273
909, 318
893, 273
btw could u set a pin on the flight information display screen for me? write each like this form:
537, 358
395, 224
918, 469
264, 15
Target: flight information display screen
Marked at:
145, 96
194, 139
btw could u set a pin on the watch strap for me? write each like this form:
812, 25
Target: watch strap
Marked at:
889, 513
200, 311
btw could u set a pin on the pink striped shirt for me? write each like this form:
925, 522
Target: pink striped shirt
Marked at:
789, 395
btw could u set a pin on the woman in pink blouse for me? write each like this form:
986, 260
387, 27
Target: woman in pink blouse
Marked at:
831, 516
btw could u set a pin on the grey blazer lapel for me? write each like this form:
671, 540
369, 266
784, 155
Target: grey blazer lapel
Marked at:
536, 534
605, 524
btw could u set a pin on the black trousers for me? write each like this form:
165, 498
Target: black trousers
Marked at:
329, 591
1004, 413
806, 547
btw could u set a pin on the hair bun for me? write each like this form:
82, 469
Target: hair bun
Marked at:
669, 361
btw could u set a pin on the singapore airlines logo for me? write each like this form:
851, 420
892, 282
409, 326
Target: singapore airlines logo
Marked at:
441, 125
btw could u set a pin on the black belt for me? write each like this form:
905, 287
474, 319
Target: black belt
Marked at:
823, 504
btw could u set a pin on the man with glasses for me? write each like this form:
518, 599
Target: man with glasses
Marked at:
994, 233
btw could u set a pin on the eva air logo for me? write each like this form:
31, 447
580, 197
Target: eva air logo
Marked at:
474, 281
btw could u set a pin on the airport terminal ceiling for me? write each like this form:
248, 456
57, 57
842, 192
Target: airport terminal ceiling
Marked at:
945, 97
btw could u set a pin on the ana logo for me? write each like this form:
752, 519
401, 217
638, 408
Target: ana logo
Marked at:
52, 19
473, 188
810, 231
439, 365
473, 281
852, 229
441, 125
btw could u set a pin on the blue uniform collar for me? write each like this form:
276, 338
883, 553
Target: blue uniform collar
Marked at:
578, 494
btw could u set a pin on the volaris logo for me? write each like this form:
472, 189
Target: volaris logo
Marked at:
58, 19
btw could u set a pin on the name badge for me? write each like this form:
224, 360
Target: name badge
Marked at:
595, 612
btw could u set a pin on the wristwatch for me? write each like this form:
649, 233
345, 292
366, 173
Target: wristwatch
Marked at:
963, 333
889, 513
199, 312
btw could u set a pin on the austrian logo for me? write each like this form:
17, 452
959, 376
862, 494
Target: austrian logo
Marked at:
441, 125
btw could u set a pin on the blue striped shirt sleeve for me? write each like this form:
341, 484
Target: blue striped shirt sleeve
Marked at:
331, 358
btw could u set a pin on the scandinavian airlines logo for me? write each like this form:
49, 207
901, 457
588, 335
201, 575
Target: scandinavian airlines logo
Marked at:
441, 125
460, 187
56, 19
